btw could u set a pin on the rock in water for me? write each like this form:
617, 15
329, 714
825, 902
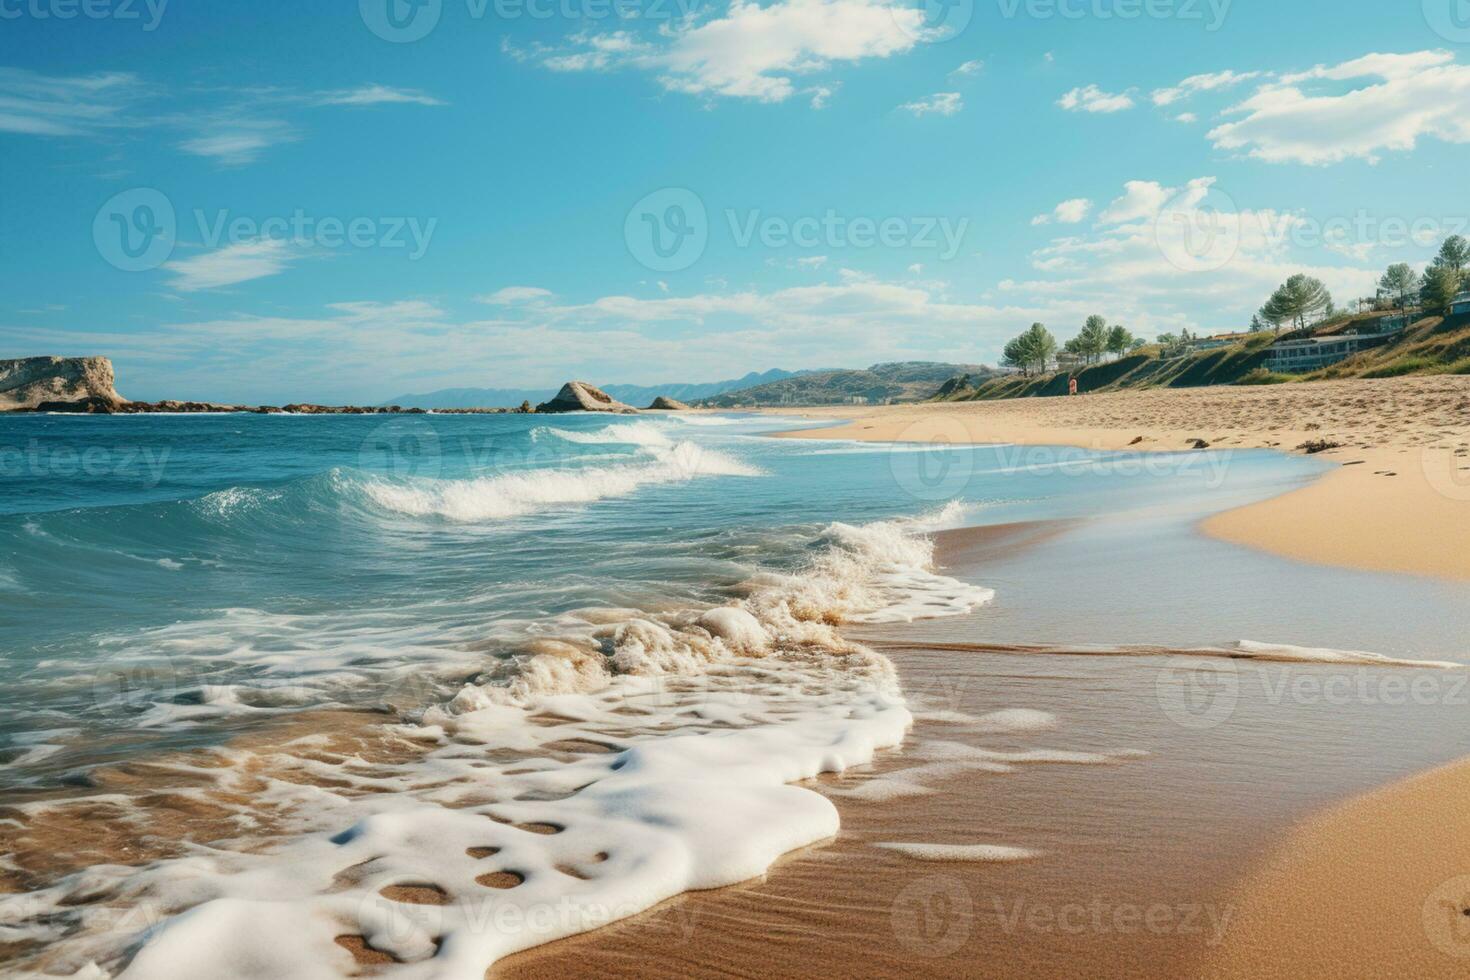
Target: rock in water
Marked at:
579, 396
663, 403
29, 382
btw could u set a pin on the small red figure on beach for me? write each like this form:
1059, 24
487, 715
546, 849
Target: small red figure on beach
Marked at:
1071, 386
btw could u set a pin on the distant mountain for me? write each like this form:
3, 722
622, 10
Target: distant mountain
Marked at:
903, 381
637, 395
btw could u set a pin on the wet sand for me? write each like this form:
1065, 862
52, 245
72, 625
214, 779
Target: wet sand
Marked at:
1139, 860
1399, 503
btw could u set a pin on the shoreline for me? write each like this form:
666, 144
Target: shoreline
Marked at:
1398, 501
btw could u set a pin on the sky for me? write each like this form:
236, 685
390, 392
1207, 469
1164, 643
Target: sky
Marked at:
267, 201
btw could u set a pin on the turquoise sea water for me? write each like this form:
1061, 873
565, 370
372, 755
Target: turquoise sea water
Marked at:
168, 579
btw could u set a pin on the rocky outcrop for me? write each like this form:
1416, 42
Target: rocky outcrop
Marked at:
31, 382
663, 403
579, 396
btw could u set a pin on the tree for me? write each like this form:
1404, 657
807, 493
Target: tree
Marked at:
1454, 253
1296, 300
1092, 339
1120, 341
1440, 286
1014, 354
1032, 350
1259, 325
1400, 281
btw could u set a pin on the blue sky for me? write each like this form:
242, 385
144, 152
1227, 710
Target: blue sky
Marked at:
273, 201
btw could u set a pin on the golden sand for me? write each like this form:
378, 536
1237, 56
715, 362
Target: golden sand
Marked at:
1399, 503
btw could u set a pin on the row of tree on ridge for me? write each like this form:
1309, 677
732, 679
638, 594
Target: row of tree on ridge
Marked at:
1298, 302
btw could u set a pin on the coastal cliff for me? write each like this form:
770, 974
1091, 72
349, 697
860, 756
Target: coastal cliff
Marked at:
30, 382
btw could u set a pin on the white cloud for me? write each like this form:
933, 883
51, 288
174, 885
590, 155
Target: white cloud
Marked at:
238, 142
972, 67
1072, 211
1201, 83
1069, 212
512, 295
231, 264
1090, 98
750, 51
1140, 199
1402, 98
939, 104
1158, 257
1186, 117
377, 95
65, 105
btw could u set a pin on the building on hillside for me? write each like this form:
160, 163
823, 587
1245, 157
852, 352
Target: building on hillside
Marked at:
1461, 304
1311, 353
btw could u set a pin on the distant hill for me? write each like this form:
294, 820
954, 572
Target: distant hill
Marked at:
903, 381
638, 395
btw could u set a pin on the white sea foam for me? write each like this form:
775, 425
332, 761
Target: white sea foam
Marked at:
1286, 652
648, 434
508, 495
711, 714
959, 852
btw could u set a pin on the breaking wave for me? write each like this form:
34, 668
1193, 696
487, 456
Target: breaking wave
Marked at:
508, 495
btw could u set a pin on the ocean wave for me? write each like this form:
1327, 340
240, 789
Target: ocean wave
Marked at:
703, 717
509, 495
647, 434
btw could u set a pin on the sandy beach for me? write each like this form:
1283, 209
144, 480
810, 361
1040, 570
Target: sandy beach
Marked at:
1400, 501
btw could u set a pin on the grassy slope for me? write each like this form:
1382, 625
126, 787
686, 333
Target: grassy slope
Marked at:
1432, 345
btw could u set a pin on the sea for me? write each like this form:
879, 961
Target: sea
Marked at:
286, 694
